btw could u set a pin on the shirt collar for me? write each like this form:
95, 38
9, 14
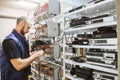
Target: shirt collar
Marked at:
18, 34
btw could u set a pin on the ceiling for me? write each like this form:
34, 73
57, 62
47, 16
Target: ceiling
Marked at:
28, 5
25, 5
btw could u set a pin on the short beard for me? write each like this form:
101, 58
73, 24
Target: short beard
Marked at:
22, 31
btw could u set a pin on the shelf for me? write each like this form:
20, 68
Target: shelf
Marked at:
100, 68
87, 27
57, 18
94, 8
72, 78
91, 46
48, 61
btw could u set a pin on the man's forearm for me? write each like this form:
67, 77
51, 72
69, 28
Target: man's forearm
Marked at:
26, 62
20, 64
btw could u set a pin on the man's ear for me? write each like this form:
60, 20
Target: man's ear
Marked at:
22, 23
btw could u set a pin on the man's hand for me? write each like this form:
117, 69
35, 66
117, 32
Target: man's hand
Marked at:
38, 54
31, 53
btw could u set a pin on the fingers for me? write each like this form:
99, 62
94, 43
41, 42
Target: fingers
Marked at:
31, 53
40, 53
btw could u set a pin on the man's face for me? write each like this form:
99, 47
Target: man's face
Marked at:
25, 28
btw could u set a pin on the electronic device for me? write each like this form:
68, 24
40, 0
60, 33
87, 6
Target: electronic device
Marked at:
105, 55
78, 59
52, 51
84, 36
102, 62
105, 35
41, 9
80, 42
84, 73
106, 19
105, 29
40, 44
54, 7
94, 2
70, 52
77, 8
100, 16
82, 6
87, 20
51, 71
103, 19
102, 58
103, 42
50, 9
39, 32
101, 50
105, 32
77, 21
104, 76
53, 29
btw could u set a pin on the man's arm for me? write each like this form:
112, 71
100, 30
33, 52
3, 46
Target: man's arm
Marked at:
20, 64
13, 53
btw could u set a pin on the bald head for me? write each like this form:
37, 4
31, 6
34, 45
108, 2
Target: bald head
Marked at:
22, 25
21, 19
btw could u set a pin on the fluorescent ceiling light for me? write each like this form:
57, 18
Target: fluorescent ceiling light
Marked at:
75, 3
36, 1
40, 1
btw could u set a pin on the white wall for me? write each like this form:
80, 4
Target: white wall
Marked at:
12, 12
6, 26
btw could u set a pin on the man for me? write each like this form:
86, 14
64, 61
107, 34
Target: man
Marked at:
15, 58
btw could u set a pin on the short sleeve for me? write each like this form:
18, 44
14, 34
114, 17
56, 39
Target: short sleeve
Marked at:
11, 49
